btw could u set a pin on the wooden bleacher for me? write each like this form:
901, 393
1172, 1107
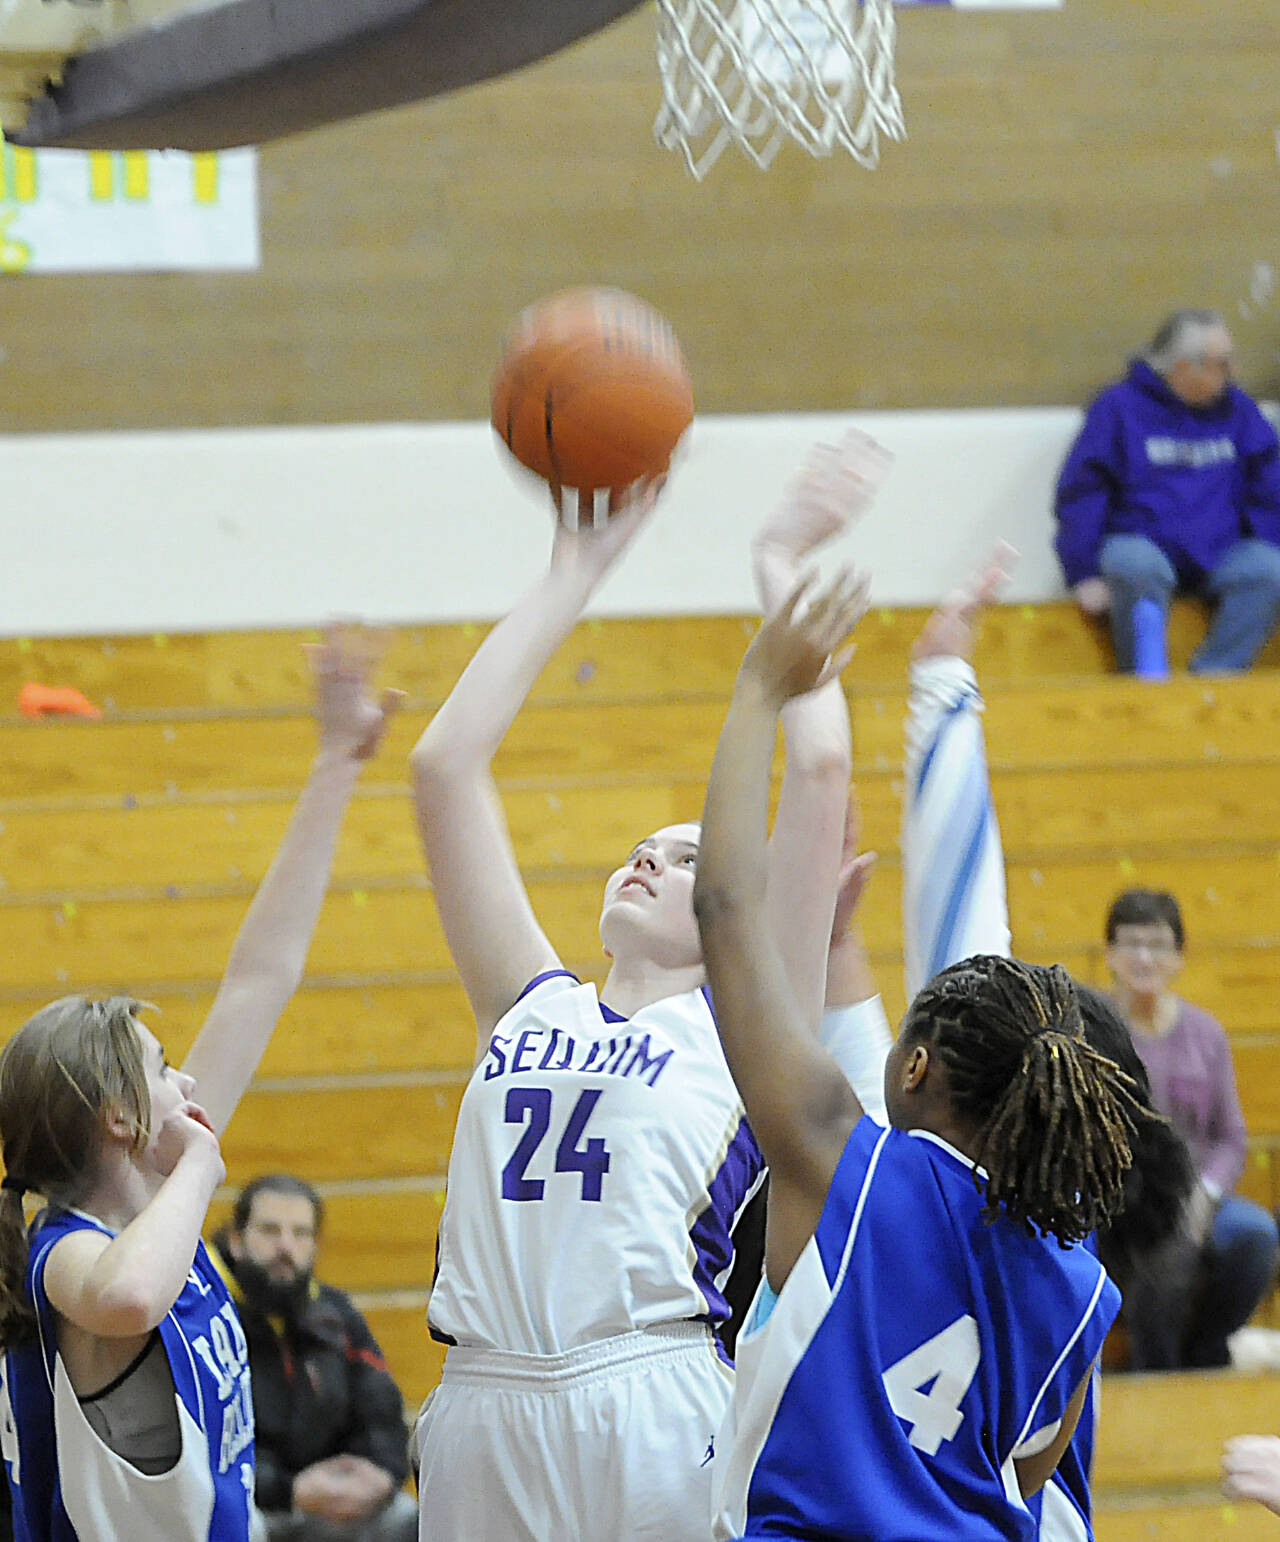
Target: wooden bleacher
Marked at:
129, 849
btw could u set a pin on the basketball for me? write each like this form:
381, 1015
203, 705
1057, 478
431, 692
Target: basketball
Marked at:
592, 391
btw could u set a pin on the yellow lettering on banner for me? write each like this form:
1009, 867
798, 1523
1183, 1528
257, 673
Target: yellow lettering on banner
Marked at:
24, 175
15, 255
102, 176
17, 175
204, 176
137, 174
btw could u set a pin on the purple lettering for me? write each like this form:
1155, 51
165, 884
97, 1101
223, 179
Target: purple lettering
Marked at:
498, 1065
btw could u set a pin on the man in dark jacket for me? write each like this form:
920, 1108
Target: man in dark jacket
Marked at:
331, 1440
1174, 483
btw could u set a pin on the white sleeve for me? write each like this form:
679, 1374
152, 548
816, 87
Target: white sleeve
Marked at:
953, 889
858, 1038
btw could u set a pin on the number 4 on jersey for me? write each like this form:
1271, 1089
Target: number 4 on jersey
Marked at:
945, 1364
591, 1160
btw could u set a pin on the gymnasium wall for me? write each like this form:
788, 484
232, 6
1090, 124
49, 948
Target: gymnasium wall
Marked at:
215, 529
1071, 174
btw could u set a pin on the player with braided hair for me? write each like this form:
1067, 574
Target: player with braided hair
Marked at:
918, 1354
1052, 1117
954, 904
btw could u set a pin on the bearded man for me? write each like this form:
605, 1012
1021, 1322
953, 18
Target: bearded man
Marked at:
331, 1451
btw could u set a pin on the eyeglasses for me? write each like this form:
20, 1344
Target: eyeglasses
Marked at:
1157, 948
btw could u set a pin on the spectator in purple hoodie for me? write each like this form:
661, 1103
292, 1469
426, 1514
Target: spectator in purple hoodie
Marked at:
1174, 483
1209, 1281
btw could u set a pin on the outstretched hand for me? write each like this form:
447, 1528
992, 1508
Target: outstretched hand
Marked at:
342, 667
834, 487
795, 650
951, 630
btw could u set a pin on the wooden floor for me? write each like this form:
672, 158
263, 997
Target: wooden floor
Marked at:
1159, 1449
129, 849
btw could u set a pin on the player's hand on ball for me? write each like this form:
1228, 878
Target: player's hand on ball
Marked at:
342, 667
835, 486
592, 549
798, 648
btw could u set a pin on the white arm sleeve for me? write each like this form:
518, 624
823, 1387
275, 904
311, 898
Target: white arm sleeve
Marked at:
953, 890
858, 1038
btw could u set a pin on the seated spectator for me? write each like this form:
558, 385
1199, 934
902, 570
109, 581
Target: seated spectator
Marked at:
1174, 483
1207, 1283
331, 1439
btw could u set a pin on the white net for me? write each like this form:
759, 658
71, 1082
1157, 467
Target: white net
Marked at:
755, 73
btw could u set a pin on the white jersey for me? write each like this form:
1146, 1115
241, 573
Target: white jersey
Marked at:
598, 1166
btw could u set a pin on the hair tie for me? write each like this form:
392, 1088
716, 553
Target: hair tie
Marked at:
14, 1185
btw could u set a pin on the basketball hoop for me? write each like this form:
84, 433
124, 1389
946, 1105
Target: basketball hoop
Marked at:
756, 73
35, 42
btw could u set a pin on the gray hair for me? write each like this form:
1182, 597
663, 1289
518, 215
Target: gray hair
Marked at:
1182, 335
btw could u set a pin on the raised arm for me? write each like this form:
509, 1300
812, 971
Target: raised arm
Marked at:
269, 954
799, 1103
835, 487
953, 888
854, 1027
494, 937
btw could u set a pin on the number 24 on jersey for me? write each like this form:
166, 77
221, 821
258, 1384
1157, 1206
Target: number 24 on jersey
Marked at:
533, 1108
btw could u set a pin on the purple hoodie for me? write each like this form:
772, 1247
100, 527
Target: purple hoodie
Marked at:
1192, 479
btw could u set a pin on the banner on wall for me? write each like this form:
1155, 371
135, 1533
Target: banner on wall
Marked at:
118, 211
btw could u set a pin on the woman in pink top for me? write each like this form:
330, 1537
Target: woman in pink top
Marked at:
1214, 1277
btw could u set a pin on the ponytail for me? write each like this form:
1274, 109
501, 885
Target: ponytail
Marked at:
1056, 1145
1159, 1184
17, 1317
1053, 1116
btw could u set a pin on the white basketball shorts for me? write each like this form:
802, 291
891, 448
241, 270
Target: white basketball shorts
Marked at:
612, 1442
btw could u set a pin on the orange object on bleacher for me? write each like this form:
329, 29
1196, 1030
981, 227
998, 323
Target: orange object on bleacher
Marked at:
35, 700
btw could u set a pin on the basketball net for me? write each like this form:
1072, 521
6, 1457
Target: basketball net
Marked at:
756, 73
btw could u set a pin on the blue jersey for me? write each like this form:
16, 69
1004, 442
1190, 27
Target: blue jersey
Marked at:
954, 904
68, 1486
914, 1352
1063, 1509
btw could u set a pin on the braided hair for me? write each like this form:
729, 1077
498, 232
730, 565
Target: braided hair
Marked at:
1158, 1186
1052, 1116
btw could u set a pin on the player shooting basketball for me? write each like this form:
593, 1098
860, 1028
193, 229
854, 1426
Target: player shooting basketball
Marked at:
601, 1156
